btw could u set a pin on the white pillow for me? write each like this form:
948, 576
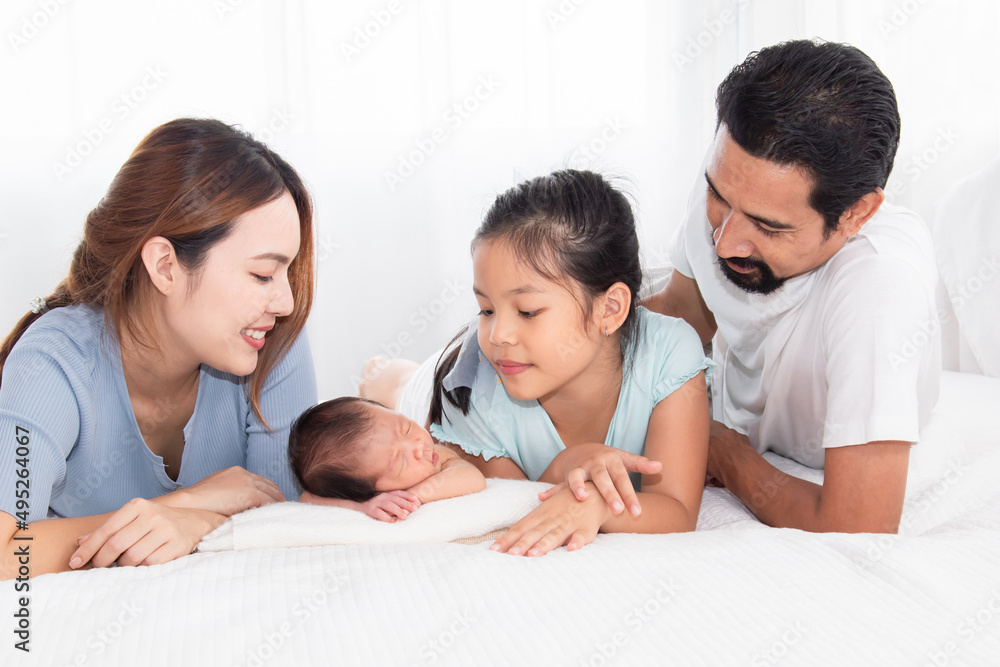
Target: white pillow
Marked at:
967, 244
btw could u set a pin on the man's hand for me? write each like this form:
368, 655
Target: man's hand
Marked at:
862, 491
725, 448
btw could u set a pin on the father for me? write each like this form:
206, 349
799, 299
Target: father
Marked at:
813, 289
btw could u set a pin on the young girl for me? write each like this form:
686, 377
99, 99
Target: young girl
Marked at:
563, 379
374, 459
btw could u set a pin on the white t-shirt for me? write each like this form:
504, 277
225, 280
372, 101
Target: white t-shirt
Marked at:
846, 354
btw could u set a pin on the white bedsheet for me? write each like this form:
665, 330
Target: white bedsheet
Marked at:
733, 593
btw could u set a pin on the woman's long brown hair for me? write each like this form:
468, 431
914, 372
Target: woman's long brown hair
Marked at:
187, 181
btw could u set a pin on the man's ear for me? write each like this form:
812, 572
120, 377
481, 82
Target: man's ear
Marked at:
161, 264
614, 306
860, 212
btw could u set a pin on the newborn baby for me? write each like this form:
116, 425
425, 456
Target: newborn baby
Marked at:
373, 459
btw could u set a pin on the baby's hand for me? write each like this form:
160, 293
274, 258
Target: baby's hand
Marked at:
390, 506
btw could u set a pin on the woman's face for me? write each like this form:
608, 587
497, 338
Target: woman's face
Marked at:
222, 313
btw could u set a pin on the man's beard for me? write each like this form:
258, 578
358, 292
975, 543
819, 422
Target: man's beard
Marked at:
760, 281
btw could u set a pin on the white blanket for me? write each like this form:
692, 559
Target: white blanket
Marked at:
500, 505
732, 593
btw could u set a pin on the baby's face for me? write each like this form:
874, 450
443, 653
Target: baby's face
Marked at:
400, 453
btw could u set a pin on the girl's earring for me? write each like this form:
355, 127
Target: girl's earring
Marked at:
606, 334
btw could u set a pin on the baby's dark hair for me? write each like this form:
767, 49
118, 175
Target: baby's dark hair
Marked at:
568, 225
324, 448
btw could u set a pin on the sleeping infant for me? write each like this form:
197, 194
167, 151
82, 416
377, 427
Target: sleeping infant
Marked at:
374, 459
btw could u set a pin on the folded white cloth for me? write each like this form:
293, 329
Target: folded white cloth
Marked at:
500, 505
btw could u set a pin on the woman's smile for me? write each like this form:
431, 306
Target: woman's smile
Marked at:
255, 337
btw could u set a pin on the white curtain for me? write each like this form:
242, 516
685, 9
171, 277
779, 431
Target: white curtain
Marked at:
406, 117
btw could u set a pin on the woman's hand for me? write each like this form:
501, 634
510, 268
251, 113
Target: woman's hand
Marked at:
145, 532
607, 467
562, 519
389, 506
226, 492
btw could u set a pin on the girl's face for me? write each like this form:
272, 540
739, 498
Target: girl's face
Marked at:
221, 314
399, 452
532, 330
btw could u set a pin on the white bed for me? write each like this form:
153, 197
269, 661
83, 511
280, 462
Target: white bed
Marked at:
733, 593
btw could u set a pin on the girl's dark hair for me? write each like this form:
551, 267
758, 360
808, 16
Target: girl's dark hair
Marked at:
324, 448
187, 181
822, 106
572, 227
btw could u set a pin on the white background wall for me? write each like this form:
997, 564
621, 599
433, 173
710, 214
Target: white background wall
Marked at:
623, 86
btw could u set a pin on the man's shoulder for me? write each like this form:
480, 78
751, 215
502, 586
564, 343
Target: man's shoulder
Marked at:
893, 248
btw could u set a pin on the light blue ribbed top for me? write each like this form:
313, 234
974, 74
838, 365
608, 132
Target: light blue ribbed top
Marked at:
668, 354
63, 382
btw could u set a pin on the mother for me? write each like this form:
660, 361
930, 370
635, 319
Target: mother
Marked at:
149, 397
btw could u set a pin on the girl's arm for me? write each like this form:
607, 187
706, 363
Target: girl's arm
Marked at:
457, 478
678, 438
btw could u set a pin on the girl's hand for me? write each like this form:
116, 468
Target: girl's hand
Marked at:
144, 532
608, 468
563, 519
389, 506
226, 492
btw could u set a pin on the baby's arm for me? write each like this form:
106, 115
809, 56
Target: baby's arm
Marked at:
388, 506
456, 478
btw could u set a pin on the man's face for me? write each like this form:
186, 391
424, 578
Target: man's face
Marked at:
763, 227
